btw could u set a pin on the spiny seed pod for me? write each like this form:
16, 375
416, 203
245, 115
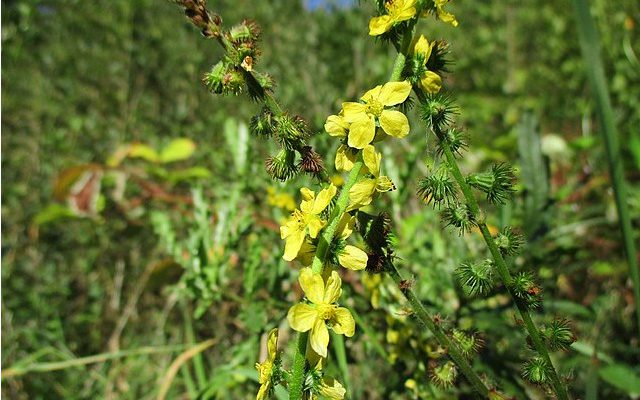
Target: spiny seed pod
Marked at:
558, 335
444, 375
375, 230
224, 79
526, 290
437, 188
438, 61
289, 132
376, 262
310, 162
469, 344
263, 124
497, 183
476, 278
282, 166
438, 111
509, 242
246, 31
459, 216
457, 140
257, 84
536, 370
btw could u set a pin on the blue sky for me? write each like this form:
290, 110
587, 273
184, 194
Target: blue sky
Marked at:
313, 4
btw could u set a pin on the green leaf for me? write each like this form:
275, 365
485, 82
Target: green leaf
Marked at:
52, 213
622, 377
177, 150
140, 150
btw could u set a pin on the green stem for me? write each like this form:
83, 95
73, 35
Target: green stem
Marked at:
590, 43
502, 268
426, 319
297, 370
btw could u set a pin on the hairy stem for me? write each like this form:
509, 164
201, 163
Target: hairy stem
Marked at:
501, 265
426, 319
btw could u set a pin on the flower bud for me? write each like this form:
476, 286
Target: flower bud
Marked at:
282, 166
459, 216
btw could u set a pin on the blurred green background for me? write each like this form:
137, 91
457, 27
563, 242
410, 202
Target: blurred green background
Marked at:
136, 213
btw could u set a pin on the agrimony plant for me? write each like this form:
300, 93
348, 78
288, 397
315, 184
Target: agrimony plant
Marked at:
322, 233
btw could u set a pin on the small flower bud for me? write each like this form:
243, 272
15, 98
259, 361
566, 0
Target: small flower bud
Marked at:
509, 242
476, 278
289, 131
445, 374
497, 184
536, 370
526, 290
263, 124
282, 166
438, 111
558, 335
469, 344
459, 216
437, 188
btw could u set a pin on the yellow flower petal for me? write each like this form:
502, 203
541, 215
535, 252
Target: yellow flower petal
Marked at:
354, 111
373, 94
332, 389
344, 158
263, 392
444, 15
333, 289
307, 194
272, 344
302, 317
343, 322
345, 226
430, 82
361, 133
394, 123
353, 258
336, 126
361, 193
380, 25
422, 46
319, 337
323, 199
289, 227
384, 184
312, 285
407, 11
372, 159
393, 93
314, 224
292, 244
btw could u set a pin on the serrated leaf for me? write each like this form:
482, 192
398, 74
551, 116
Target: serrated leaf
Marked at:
622, 377
177, 150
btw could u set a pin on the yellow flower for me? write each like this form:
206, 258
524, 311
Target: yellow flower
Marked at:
305, 220
350, 257
361, 194
265, 369
321, 310
336, 125
345, 158
397, 11
429, 81
331, 389
441, 14
363, 117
